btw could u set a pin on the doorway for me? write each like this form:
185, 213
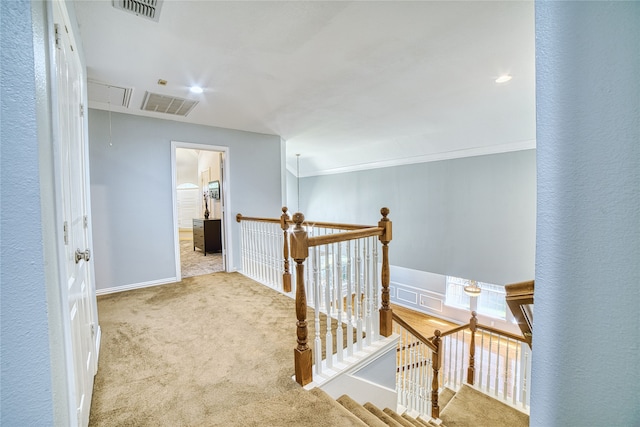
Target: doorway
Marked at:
199, 200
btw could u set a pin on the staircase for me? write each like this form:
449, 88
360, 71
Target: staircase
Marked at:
466, 408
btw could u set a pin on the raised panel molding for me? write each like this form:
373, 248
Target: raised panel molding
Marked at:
407, 296
419, 299
431, 303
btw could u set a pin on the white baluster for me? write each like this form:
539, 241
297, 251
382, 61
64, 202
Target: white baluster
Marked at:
481, 360
497, 381
316, 289
377, 282
369, 292
328, 288
349, 302
506, 370
358, 299
338, 298
516, 373
489, 362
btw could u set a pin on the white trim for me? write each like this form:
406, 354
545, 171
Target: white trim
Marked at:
226, 189
133, 286
426, 158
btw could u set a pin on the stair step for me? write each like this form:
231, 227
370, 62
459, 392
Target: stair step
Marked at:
444, 397
399, 418
359, 411
380, 414
344, 416
473, 408
416, 421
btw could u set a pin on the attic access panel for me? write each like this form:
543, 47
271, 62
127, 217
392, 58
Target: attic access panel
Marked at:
167, 104
109, 94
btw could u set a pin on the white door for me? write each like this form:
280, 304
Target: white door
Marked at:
72, 145
223, 218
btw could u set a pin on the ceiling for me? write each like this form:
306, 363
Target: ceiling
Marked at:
347, 85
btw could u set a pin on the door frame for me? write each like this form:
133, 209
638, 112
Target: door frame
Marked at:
227, 250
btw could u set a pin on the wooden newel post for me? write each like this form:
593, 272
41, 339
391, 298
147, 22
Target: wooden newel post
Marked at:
286, 276
386, 315
300, 252
471, 371
437, 355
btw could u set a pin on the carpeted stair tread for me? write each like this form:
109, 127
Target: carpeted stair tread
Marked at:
397, 417
415, 421
472, 408
359, 411
444, 397
380, 414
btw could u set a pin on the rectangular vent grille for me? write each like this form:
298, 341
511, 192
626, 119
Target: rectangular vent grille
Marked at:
167, 104
149, 9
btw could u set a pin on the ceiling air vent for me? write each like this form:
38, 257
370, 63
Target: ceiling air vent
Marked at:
167, 104
149, 9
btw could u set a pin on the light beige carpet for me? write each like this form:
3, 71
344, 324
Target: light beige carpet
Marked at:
194, 263
471, 408
213, 350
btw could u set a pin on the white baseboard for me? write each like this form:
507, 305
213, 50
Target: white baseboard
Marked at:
133, 286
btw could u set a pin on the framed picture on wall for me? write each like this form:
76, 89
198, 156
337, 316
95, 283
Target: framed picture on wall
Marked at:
214, 190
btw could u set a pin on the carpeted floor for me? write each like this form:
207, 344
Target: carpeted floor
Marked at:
194, 263
212, 350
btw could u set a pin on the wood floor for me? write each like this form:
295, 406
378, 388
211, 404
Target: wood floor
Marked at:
423, 323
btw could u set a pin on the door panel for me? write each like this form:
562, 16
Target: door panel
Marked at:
72, 177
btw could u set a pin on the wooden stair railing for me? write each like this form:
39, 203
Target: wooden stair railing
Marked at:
297, 246
300, 242
412, 394
519, 298
502, 370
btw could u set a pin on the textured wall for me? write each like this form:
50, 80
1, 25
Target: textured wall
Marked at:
27, 397
587, 322
131, 196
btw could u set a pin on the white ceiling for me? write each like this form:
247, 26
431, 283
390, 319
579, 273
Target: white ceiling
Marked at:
347, 85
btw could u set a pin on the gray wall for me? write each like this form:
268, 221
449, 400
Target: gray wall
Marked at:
27, 357
587, 322
292, 192
131, 196
472, 217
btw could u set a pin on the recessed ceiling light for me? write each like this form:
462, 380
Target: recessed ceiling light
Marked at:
196, 89
504, 78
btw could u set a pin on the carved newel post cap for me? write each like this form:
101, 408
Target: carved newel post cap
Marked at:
473, 314
298, 218
437, 332
384, 212
284, 209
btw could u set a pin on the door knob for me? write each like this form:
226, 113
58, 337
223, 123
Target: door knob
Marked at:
86, 255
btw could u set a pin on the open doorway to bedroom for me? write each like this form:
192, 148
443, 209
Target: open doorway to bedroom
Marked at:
199, 200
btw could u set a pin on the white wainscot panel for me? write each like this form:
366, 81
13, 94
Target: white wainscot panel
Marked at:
407, 296
431, 302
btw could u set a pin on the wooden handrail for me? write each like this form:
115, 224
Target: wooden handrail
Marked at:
328, 239
519, 297
240, 217
503, 333
426, 341
454, 330
335, 225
